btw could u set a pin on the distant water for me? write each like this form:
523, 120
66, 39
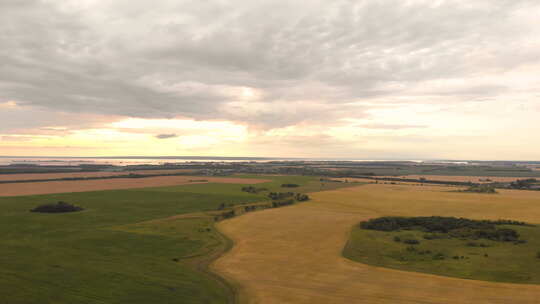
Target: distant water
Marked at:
60, 161
126, 161
118, 161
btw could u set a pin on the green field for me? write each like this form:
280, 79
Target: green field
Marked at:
454, 170
494, 261
123, 248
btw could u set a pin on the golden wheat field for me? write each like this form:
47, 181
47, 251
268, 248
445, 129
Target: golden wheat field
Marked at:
293, 254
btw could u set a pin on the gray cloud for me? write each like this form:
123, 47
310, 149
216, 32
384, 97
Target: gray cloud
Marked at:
165, 136
391, 127
184, 58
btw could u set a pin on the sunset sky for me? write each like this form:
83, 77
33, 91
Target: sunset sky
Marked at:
403, 79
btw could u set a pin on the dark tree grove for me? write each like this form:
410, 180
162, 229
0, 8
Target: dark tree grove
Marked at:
280, 195
289, 185
448, 227
59, 207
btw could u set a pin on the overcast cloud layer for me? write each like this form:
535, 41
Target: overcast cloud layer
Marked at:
410, 70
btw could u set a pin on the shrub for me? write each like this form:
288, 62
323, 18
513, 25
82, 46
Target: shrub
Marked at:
289, 185
523, 183
439, 256
282, 203
481, 189
301, 197
411, 248
251, 189
280, 195
434, 236
250, 208
449, 226
397, 239
228, 214
411, 241
59, 207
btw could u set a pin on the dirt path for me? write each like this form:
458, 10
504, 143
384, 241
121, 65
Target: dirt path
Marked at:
293, 254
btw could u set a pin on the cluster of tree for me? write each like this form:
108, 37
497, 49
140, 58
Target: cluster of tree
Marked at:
482, 188
251, 189
59, 207
280, 195
413, 180
523, 184
282, 203
250, 208
255, 207
500, 235
452, 227
475, 244
289, 185
225, 215
431, 223
409, 241
332, 180
420, 252
301, 197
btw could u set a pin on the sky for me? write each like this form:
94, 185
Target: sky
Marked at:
372, 79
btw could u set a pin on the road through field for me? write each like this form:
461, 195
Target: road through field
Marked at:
293, 254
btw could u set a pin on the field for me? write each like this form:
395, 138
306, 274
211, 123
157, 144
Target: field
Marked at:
396, 169
33, 188
457, 178
482, 259
34, 176
150, 245
294, 254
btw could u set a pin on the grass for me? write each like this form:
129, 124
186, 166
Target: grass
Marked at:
505, 261
308, 184
125, 247
465, 170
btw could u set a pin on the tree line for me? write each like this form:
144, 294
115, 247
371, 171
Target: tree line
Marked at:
451, 226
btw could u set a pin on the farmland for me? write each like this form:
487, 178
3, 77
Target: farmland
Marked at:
150, 245
457, 178
481, 259
160, 244
49, 176
48, 187
316, 272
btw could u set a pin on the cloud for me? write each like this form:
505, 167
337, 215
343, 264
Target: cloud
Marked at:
15, 138
186, 58
84, 64
391, 127
165, 136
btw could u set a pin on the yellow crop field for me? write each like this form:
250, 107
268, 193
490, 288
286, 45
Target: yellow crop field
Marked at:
293, 254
